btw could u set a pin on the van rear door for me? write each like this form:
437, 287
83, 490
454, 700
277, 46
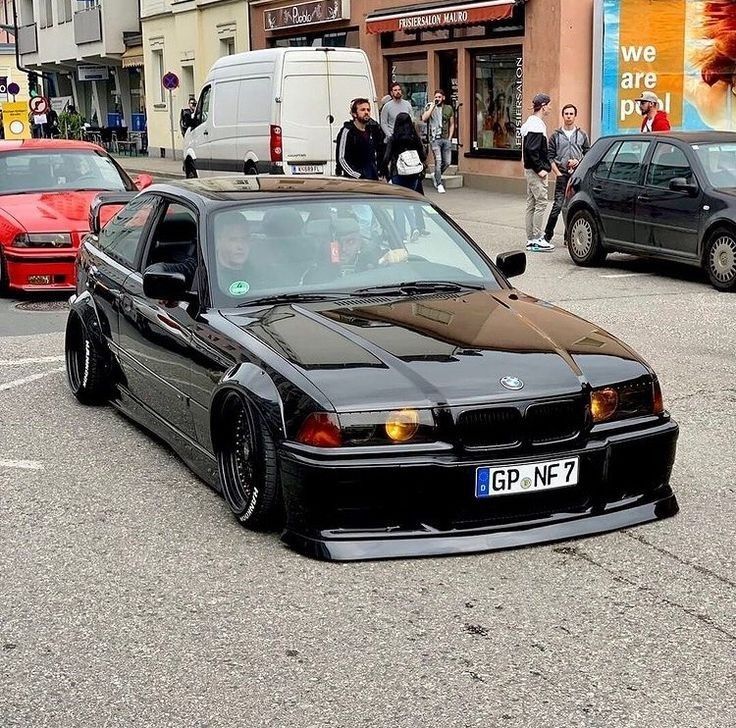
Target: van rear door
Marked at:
349, 78
305, 113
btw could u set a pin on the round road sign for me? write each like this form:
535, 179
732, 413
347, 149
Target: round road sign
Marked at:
13, 89
39, 105
170, 81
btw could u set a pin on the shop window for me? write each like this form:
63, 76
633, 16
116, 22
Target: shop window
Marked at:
158, 65
337, 39
411, 73
498, 111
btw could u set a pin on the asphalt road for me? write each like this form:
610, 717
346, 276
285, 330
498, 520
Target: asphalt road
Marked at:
130, 597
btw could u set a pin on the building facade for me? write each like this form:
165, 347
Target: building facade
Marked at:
184, 38
490, 56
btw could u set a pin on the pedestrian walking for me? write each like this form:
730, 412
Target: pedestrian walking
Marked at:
440, 120
404, 161
654, 118
360, 144
392, 108
567, 146
536, 169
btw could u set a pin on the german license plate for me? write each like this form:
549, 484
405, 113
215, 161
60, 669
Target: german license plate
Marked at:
526, 477
307, 169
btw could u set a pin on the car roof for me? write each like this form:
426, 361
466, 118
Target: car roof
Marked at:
13, 145
688, 137
257, 186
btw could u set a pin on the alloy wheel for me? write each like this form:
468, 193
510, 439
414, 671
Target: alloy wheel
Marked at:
240, 459
581, 237
722, 259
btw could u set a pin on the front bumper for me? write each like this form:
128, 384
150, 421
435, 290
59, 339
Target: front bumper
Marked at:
39, 269
425, 505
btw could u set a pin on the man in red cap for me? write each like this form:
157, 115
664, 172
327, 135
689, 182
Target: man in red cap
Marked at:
654, 119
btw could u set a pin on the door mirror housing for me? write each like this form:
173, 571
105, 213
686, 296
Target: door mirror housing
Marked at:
104, 206
165, 285
680, 184
512, 263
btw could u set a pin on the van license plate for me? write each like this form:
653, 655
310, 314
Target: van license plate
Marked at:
526, 477
307, 169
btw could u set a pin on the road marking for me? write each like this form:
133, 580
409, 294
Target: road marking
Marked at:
36, 360
622, 275
27, 380
21, 464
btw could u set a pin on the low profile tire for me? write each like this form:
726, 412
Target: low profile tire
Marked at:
248, 465
584, 242
720, 260
190, 171
85, 365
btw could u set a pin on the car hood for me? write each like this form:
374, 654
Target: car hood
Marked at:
440, 349
49, 212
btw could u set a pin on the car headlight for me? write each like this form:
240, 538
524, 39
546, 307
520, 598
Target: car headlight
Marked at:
631, 399
43, 240
400, 426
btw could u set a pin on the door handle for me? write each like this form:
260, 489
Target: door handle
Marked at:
643, 198
205, 133
597, 188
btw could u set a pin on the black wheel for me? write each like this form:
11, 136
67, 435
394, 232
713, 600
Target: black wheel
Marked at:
190, 171
249, 169
584, 240
3, 276
86, 369
248, 465
720, 260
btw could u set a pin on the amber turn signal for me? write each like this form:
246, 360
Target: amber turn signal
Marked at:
402, 425
658, 400
603, 404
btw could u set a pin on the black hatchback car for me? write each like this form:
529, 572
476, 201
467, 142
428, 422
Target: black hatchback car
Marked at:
376, 392
670, 196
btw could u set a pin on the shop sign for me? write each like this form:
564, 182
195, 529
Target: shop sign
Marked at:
93, 73
298, 14
454, 15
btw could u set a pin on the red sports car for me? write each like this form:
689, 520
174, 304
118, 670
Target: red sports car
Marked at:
46, 187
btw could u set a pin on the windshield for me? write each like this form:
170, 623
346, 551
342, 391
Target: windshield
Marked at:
357, 245
719, 162
51, 170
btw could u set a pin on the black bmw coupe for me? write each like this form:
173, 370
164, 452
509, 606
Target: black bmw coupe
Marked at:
338, 358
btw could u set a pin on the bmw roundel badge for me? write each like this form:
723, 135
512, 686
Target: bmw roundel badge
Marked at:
512, 382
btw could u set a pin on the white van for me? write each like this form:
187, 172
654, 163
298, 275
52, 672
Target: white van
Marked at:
275, 111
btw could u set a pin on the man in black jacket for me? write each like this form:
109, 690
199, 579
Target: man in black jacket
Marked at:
360, 144
536, 168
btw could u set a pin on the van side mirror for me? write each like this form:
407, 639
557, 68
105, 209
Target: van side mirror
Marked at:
512, 263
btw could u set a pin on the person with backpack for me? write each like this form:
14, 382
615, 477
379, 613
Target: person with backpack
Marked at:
404, 161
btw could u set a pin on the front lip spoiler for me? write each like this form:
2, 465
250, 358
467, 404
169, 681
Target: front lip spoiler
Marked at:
387, 545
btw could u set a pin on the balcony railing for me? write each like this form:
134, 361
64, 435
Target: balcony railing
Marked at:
88, 25
27, 39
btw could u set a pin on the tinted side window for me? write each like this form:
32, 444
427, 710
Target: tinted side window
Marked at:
604, 166
122, 236
668, 162
626, 166
174, 239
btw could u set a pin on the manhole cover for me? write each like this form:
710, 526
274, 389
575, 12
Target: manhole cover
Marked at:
42, 306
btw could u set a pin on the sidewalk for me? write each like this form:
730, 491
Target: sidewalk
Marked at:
487, 216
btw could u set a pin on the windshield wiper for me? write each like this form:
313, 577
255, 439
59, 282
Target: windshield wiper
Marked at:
294, 297
407, 288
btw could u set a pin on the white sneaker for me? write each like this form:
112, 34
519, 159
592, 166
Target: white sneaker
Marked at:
441, 189
539, 246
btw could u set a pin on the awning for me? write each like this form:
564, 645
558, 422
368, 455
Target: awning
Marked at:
439, 16
133, 57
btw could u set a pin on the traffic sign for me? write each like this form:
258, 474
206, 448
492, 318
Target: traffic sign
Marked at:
39, 105
3, 85
170, 81
13, 89
15, 120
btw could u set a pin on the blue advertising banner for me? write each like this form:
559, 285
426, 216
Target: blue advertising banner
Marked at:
683, 51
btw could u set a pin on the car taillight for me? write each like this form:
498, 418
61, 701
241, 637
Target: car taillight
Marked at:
277, 151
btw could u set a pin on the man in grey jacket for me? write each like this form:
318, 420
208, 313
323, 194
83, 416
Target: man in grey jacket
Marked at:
392, 108
567, 146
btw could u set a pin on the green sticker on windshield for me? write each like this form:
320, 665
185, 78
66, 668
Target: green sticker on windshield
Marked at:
239, 288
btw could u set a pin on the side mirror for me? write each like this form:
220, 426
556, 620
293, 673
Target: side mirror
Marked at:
512, 263
104, 206
141, 181
680, 184
163, 285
